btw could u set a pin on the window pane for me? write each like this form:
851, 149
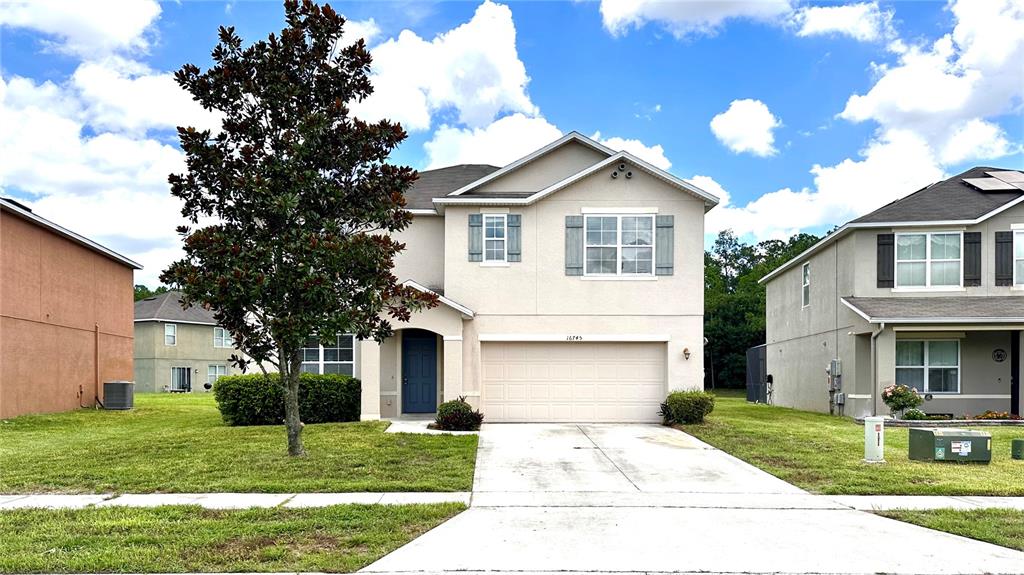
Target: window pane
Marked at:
310, 368
914, 377
943, 353
346, 341
601, 260
910, 353
806, 273
945, 273
945, 246
1019, 264
310, 354
602, 231
910, 247
806, 295
331, 354
312, 342
494, 227
910, 274
942, 379
636, 231
636, 260
494, 250
1018, 245
342, 368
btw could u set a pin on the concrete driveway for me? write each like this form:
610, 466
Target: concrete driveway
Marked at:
645, 498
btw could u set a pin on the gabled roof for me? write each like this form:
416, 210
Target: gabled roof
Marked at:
446, 301
440, 182
166, 307
938, 310
570, 137
16, 208
950, 202
517, 199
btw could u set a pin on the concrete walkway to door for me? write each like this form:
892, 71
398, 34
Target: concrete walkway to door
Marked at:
645, 498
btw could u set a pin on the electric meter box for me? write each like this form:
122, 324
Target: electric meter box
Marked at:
943, 444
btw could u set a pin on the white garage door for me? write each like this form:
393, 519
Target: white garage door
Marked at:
587, 382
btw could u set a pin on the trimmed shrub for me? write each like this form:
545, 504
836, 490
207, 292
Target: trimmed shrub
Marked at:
900, 398
255, 399
458, 415
995, 415
687, 407
915, 414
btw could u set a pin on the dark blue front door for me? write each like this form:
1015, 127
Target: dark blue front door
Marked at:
419, 371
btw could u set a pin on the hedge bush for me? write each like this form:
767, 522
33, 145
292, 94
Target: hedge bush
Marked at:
687, 407
458, 415
256, 399
914, 414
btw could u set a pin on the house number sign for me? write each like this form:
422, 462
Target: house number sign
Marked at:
574, 338
999, 355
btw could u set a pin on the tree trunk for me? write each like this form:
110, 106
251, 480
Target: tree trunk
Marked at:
292, 421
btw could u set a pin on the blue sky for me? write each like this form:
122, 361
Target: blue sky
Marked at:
800, 115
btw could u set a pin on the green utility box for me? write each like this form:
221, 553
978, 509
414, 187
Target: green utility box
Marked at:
943, 444
1017, 449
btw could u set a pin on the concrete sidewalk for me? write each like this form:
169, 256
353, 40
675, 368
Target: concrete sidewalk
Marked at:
227, 500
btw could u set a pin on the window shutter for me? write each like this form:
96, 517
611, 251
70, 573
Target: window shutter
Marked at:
515, 250
1004, 258
972, 259
573, 245
476, 237
886, 260
664, 245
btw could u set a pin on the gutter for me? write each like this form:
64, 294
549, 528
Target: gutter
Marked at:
874, 369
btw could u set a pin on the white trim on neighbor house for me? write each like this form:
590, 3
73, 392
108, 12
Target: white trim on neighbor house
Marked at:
962, 396
423, 212
846, 228
575, 337
448, 302
618, 211
173, 321
61, 231
1018, 236
227, 342
805, 285
928, 261
933, 320
858, 396
173, 336
926, 366
571, 136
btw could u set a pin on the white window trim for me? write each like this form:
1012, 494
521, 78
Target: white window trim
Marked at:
618, 247
215, 365
503, 262
805, 283
188, 371
926, 366
226, 336
320, 363
174, 327
928, 261
1018, 236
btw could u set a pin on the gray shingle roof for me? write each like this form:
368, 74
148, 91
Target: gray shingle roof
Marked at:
950, 199
167, 307
441, 182
956, 309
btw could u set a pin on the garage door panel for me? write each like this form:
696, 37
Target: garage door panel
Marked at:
535, 381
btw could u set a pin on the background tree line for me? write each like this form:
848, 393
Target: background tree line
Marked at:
734, 303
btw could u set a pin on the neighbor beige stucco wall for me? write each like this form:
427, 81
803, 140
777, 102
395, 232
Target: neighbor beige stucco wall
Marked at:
194, 349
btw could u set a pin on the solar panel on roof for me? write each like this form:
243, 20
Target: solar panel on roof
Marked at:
990, 184
1008, 176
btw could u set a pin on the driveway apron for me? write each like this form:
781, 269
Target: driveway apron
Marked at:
646, 498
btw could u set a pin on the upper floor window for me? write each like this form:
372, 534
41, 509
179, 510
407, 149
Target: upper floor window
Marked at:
495, 241
929, 259
170, 334
222, 338
331, 357
619, 245
929, 366
1018, 257
805, 290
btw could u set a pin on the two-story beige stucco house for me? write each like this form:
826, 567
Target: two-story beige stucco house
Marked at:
926, 291
178, 350
570, 284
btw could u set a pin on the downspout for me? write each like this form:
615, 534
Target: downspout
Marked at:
874, 369
96, 362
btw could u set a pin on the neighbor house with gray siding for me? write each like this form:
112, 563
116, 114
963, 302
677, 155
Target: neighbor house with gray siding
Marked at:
926, 291
178, 349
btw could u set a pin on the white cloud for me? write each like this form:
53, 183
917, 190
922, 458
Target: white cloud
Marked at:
747, 127
682, 19
654, 155
894, 165
473, 69
864, 21
499, 143
977, 140
368, 30
88, 29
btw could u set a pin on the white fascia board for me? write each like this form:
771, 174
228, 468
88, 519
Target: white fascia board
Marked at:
61, 231
571, 136
423, 212
174, 321
871, 225
477, 200
574, 337
948, 320
448, 302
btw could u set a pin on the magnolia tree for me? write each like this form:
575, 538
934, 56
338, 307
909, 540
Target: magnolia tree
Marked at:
302, 199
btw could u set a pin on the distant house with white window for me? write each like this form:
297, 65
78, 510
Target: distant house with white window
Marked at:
927, 291
178, 350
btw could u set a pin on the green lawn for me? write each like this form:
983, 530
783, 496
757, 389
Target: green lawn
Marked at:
178, 443
1000, 526
823, 454
191, 539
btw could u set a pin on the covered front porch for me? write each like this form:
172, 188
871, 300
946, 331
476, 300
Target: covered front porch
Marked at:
961, 353
419, 367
